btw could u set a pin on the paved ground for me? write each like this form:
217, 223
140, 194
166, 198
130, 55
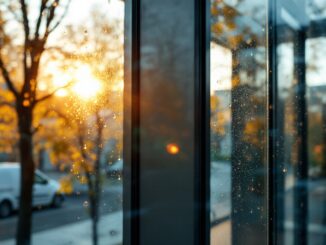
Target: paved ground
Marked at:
79, 233
75, 209
71, 223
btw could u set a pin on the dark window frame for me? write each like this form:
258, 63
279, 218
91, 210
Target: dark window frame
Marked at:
202, 132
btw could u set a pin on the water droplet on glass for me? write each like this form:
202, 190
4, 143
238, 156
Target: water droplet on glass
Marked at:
85, 204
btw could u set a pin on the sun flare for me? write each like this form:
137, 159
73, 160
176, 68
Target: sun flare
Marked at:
84, 84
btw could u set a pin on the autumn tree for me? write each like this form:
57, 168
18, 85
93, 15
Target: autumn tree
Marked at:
20, 61
94, 117
219, 120
89, 120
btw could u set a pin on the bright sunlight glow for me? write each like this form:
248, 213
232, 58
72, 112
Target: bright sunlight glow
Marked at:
86, 85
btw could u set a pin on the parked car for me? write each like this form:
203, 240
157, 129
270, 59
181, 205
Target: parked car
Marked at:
46, 191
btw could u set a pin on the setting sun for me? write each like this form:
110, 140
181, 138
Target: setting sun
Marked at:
86, 85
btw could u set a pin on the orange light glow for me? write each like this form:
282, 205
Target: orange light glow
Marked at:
172, 148
84, 84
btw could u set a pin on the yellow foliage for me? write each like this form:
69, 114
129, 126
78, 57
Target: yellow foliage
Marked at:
218, 116
254, 130
218, 28
214, 11
66, 185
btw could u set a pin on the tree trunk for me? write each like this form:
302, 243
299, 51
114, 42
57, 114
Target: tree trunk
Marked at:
93, 208
97, 175
94, 215
24, 228
96, 201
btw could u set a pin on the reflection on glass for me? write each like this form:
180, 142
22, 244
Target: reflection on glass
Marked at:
301, 93
238, 122
61, 82
166, 143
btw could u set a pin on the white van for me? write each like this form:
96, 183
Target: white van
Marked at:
45, 190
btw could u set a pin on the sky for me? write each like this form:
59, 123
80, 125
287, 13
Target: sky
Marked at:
221, 68
115, 9
79, 12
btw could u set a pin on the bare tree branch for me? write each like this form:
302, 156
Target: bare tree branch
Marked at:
46, 114
70, 55
25, 19
40, 17
37, 128
5, 122
84, 155
48, 96
26, 45
50, 17
5, 103
61, 18
7, 79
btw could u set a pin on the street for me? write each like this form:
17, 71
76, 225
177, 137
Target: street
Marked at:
73, 210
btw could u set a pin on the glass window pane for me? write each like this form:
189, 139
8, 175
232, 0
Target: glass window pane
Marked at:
61, 113
167, 158
300, 170
238, 122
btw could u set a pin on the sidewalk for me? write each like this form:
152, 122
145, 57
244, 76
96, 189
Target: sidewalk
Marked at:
110, 233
